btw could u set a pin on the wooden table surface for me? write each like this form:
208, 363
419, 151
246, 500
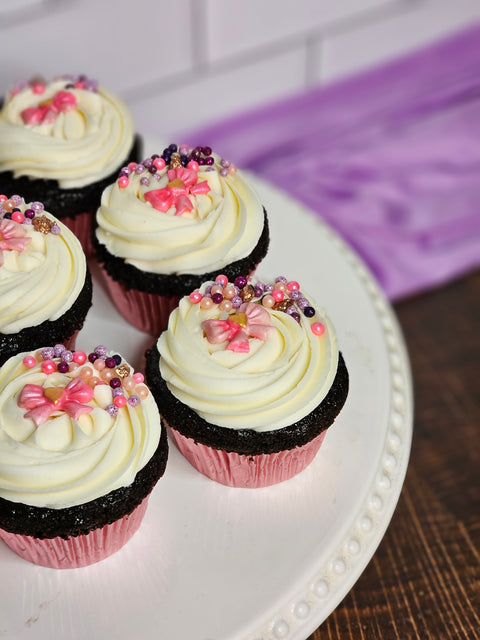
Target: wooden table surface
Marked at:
424, 580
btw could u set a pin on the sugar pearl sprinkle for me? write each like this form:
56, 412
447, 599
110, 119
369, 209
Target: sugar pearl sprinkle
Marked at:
15, 208
96, 368
281, 295
172, 157
38, 84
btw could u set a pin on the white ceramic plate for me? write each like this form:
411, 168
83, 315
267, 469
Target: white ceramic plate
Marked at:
216, 563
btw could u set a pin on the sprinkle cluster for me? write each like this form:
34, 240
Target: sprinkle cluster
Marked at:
14, 208
96, 368
38, 84
172, 157
281, 295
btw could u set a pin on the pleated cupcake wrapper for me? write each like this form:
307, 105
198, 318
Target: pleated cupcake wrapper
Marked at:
81, 226
77, 551
146, 311
246, 471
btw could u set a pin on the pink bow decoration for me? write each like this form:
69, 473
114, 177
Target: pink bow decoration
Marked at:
42, 402
12, 237
183, 182
47, 112
251, 321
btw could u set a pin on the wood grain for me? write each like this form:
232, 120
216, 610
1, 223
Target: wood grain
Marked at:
423, 583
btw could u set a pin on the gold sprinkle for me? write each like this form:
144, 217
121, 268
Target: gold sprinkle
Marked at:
247, 293
283, 304
122, 371
176, 182
42, 224
175, 161
240, 318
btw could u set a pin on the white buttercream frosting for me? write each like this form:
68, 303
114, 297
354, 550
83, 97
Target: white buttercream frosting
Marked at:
276, 383
43, 281
77, 147
223, 226
64, 461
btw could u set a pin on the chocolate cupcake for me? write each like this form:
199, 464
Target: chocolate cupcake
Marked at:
249, 378
81, 448
172, 222
63, 142
45, 285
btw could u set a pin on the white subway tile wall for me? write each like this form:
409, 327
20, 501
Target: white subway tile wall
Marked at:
181, 65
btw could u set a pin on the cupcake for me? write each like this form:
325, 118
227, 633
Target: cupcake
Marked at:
63, 142
81, 448
172, 222
45, 285
249, 377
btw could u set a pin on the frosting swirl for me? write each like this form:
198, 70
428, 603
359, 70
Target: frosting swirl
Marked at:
41, 281
81, 139
66, 461
223, 225
268, 385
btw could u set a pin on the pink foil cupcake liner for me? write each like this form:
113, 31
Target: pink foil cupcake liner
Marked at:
148, 312
81, 226
77, 551
246, 471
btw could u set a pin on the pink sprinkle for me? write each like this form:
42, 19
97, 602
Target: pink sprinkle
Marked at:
17, 216
3, 198
159, 163
278, 295
138, 377
123, 182
79, 85
120, 401
48, 366
38, 88
223, 280
131, 165
192, 165
195, 297
79, 357
318, 329
293, 286
29, 362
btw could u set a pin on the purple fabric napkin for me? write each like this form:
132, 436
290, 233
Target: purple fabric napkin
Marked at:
389, 158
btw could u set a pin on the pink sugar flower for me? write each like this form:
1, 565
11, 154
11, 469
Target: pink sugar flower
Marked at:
12, 237
183, 182
251, 321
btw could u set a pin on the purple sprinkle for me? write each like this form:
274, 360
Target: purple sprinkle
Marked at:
27, 221
112, 410
29, 213
48, 353
147, 162
225, 163
100, 350
223, 172
236, 302
115, 383
117, 358
207, 151
92, 357
291, 309
302, 303
209, 160
296, 315
110, 363
157, 176
139, 169
217, 298
37, 206
7, 216
259, 288
281, 279
125, 171
62, 367
16, 199
118, 391
145, 181
240, 281
58, 349
55, 229
208, 290
133, 400
296, 295
268, 288
308, 312
66, 356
